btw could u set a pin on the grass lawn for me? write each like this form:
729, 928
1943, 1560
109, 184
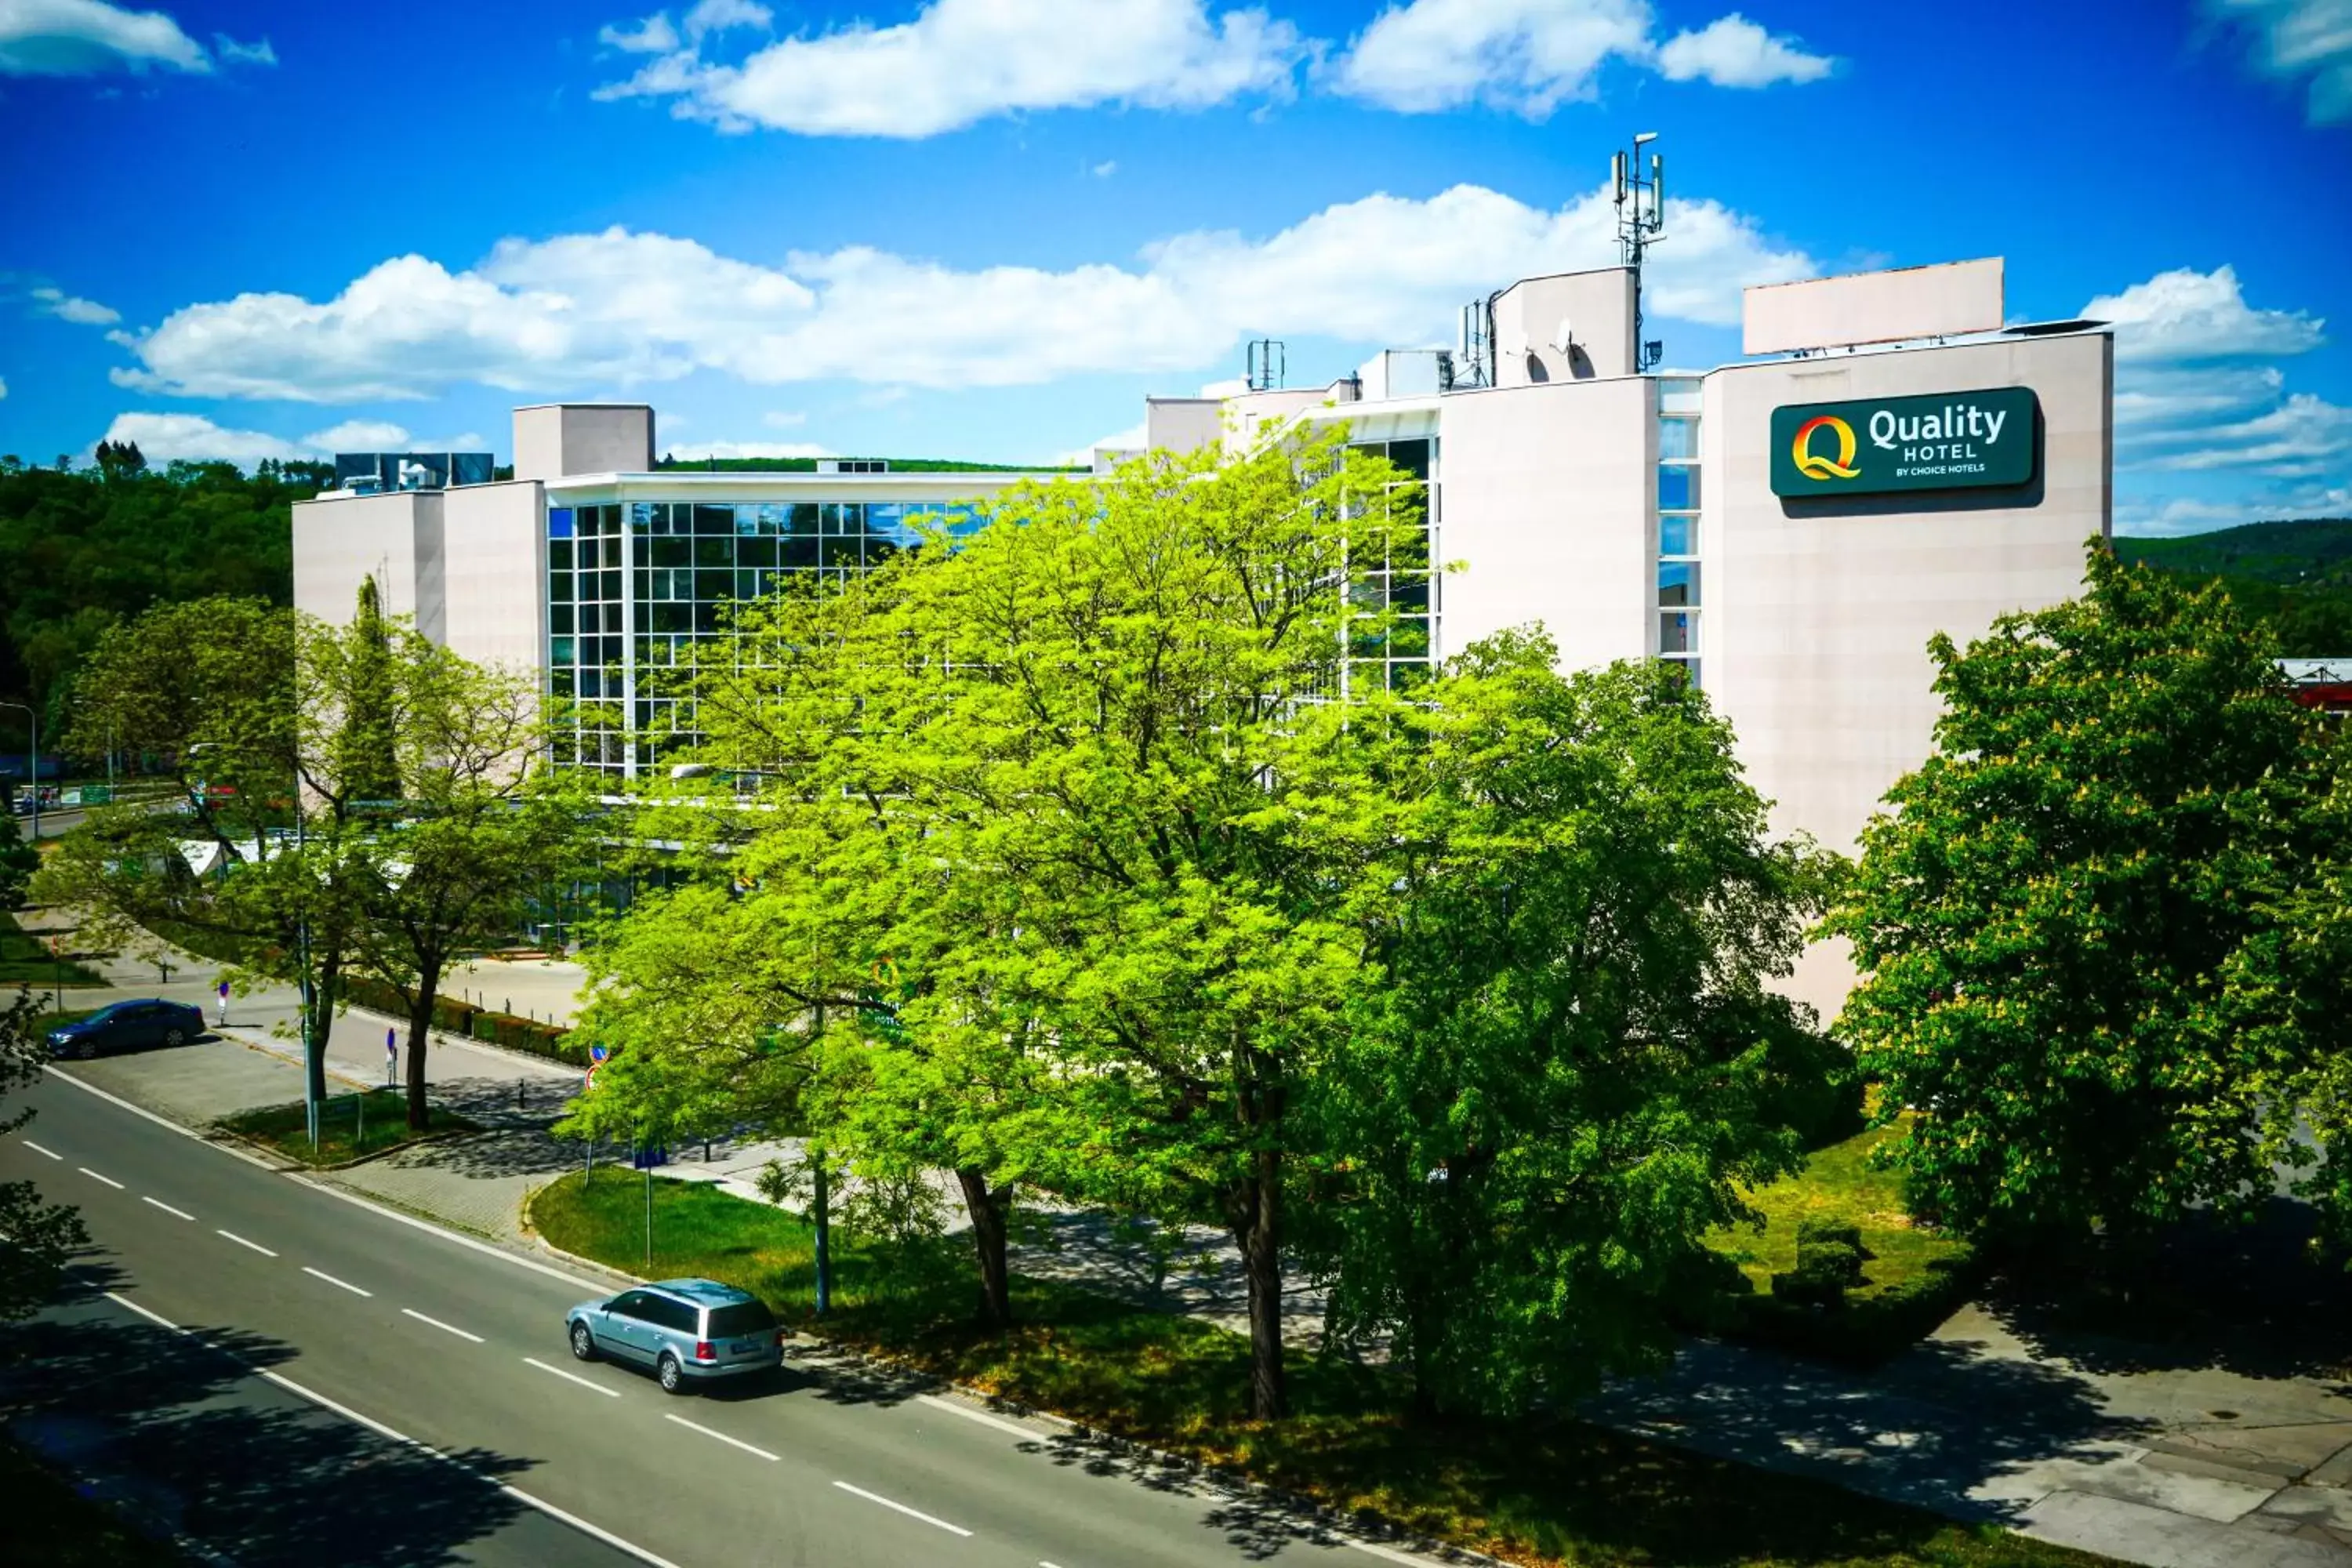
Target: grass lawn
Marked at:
1914, 1279
25, 960
56, 1526
350, 1126
1551, 1492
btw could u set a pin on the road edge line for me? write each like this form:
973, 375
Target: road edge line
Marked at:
491, 1248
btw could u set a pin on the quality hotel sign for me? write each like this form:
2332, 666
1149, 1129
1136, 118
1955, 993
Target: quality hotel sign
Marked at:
1950, 441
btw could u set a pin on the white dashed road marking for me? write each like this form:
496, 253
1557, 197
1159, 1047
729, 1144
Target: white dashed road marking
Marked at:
902, 1508
253, 1245
167, 1208
723, 1438
591, 1387
440, 1325
36, 1148
94, 1176
339, 1284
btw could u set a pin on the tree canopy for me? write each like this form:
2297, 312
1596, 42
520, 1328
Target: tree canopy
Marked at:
2091, 924
81, 550
1078, 853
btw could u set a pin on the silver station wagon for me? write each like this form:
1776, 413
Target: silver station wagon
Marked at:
688, 1331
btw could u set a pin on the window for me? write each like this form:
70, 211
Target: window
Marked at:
663, 1312
1680, 531
628, 1304
743, 1318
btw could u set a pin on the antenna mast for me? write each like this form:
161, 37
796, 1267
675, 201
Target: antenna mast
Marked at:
1641, 222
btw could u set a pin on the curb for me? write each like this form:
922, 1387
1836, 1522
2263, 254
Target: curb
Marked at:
1380, 1532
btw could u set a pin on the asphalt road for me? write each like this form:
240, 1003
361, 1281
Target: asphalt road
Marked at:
259, 1358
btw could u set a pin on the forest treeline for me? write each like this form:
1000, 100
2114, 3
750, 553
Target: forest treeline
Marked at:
82, 548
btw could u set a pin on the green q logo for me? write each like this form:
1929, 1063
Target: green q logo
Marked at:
1814, 465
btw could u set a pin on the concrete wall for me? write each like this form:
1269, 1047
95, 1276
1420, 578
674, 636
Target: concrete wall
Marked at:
1598, 307
1816, 614
495, 575
1892, 306
395, 538
1545, 495
553, 440
1182, 423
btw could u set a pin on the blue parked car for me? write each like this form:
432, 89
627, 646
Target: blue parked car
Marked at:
127, 1025
687, 1331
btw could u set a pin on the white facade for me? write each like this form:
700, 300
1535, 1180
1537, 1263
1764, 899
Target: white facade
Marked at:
1633, 516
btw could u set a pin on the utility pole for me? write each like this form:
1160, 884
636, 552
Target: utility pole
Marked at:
1638, 228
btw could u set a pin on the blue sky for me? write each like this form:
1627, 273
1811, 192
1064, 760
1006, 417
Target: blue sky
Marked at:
985, 229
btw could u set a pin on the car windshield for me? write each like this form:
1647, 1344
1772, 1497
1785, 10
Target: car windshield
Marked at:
111, 1010
743, 1318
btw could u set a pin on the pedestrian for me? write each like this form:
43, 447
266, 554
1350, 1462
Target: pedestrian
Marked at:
223, 989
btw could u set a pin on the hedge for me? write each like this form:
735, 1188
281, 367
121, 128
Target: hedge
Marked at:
458, 1017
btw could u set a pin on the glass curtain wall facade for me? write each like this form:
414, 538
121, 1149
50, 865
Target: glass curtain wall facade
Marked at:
1403, 582
1680, 534
633, 586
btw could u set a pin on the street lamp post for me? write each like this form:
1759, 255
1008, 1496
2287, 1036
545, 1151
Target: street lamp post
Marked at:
32, 762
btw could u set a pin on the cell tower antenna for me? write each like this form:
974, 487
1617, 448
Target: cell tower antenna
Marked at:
1641, 223
1268, 364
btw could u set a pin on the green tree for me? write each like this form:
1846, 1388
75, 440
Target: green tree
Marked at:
82, 551
1572, 1058
2065, 915
41, 1235
18, 861
480, 827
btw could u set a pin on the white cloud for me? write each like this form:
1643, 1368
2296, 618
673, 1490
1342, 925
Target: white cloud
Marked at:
81, 312
2304, 438
2200, 398
961, 61
726, 449
1732, 51
259, 54
1104, 169
1130, 439
654, 36
88, 37
162, 438
1526, 56
2295, 39
2184, 315
83, 37
360, 436
626, 309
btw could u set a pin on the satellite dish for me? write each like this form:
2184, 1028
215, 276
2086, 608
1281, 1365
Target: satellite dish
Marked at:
1562, 338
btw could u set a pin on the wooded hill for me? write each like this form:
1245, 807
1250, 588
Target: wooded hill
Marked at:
2298, 576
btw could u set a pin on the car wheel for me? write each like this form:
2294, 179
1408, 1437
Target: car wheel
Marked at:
672, 1376
175, 1036
583, 1343
84, 1050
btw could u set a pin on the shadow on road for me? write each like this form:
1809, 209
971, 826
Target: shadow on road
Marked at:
177, 1426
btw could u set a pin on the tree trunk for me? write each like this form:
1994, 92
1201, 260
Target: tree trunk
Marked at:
1254, 1208
420, 1030
989, 1211
321, 1021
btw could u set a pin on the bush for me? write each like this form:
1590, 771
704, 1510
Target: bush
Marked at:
454, 1017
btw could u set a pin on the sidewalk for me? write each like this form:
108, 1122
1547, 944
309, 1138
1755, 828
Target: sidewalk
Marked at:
2158, 1460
